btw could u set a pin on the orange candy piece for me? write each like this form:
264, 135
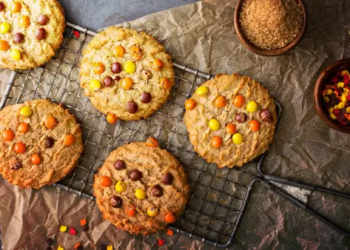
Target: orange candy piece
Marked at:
170, 232
16, 7
83, 222
190, 104
76, 246
216, 142
50, 122
166, 83
98, 68
24, 21
20, 148
231, 129
238, 101
127, 83
254, 125
35, 159
4, 45
8, 135
69, 140
23, 127
119, 51
105, 181
157, 64
130, 210
152, 142
220, 101
111, 118
170, 218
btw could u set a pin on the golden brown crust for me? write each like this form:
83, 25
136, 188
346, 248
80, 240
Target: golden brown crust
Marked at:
200, 135
153, 163
114, 99
56, 162
33, 52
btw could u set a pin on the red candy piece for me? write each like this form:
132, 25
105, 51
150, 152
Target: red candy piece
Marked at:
348, 97
336, 112
334, 79
76, 34
346, 79
161, 242
72, 231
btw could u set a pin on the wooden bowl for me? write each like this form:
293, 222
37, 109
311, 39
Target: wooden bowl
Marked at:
326, 74
264, 52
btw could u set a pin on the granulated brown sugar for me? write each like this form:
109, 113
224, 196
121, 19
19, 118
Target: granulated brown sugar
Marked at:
271, 24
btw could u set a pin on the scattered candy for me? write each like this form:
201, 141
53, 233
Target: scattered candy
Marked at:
140, 194
18, 38
170, 218
60, 248
167, 179
49, 142
146, 97
4, 45
120, 186
130, 210
132, 107
252, 107
238, 101
78, 246
35, 159
119, 165
72, 231
20, 148
63, 229
157, 191
105, 181
24, 21
157, 64
170, 232
110, 247
119, 51
216, 142
43, 19
69, 140
266, 115
16, 166
220, 101
214, 124
83, 222
126, 83
115, 201
16, 54
254, 125
161, 242
50, 122
237, 138
241, 117
152, 211
202, 90
136, 52
190, 104
40, 34
111, 118
16, 7
8, 135
130, 67
152, 142
95, 85
98, 68
108, 81
166, 83
76, 34
135, 175
2, 6
116, 68
231, 129
5, 27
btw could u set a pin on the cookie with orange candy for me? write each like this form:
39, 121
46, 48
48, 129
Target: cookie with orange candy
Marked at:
40, 143
126, 74
230, 119
141, 188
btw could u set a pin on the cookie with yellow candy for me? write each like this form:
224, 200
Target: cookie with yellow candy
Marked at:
31, 32
231, 120
137, 74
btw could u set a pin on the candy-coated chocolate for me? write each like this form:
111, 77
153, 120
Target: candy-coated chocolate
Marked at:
127, 83
170, 218
16, 7
146, 97
129, 67
16, 54
132, 107
152, 142
190, 104
23, 127
95, 85
16, 166
152, 211
266, 115
24, 21
231, 128
237, 138
157, 64
140, 194
2, 6
49, 142
135, 175
120, 186
111, 118
69, 140
238, 101
105, 181
108, 81
116, 68
157, 191
18, 38
25, 111
220, 101
5, 27
241, 117
167, 178
216, 142
214, 124
8, 135
116, 201
119, 165
40, 34
252, 107
202, 90
43, 19
4, 45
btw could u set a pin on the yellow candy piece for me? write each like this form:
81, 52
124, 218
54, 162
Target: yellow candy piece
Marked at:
4, 28
140, 194
336, 107
202, 90
152, 211
332, 116
329, 92
346, 90
326, 99
63, 229
348, 110
120, 186
341, 105
214, 124
95, 85
16, 54
345, 72
252, 107
130, 67
343, 97
330, 110
340, 85
26, 111
110, 247
237, 138
60, 248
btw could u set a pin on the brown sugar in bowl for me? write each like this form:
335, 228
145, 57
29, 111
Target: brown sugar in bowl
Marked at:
326, 74
265, 52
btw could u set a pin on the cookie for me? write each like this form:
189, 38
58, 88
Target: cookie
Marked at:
141, 189
40, 143
126, 73
30, 32
230, 120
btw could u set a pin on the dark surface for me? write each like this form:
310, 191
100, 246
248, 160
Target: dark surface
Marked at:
102, 13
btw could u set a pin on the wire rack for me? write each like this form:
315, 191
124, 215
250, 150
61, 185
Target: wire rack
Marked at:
218, 196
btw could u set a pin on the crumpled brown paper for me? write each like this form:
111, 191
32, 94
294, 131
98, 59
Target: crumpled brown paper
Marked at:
202, 36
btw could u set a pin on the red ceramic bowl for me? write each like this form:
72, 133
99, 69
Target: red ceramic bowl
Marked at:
326, 74
264, 52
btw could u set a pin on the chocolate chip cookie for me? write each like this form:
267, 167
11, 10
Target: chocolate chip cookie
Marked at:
40, 143
141, 188
126, 73
230, 120
30, 32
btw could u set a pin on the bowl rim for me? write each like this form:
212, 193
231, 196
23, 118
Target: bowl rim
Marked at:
318, 100
264, 52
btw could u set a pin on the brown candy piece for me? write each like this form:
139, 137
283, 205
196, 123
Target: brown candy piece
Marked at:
135, 175
241, 117
119, 165
116, 201
49, 142
157, 191
132, 107
2, 6
18, 38
146, 97
266, 115
40, 34
108, 81
116, 68
16, 166
43, 19
167, 179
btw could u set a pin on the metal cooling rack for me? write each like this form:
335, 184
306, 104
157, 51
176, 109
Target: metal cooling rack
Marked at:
218, 196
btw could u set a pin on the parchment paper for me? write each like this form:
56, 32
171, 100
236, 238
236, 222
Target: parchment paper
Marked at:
202, 36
